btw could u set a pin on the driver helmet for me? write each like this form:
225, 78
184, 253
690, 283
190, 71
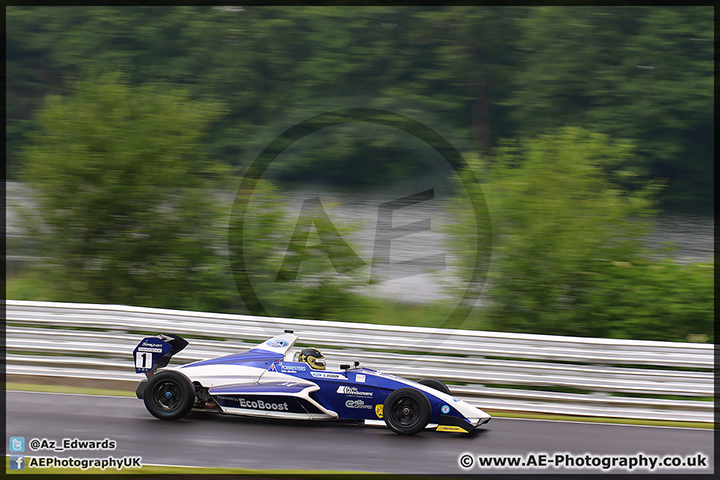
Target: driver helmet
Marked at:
312, 357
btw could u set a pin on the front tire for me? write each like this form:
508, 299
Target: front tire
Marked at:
436, 384
169, 395
406, 411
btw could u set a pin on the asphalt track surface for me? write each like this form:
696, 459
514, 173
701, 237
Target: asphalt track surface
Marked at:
237, 442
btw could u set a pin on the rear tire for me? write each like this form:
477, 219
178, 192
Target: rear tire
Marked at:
436, 384
169, 395
406, 411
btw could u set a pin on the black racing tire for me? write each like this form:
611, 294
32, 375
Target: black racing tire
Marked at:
406, 411
436, 384
169, 395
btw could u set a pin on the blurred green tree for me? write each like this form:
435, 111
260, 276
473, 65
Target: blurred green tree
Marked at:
654, 300
123, 203
559, 217
638, 73
641, 73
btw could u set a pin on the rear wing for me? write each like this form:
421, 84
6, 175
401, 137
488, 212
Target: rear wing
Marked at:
155, 352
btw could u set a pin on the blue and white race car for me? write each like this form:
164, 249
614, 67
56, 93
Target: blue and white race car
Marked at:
267, 381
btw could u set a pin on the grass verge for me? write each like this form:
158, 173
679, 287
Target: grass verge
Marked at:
622, 421
169, 470
34, 387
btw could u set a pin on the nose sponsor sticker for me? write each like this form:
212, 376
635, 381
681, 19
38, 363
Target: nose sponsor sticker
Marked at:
379, 411
445, 409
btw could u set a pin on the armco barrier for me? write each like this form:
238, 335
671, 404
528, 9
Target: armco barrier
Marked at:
493, 370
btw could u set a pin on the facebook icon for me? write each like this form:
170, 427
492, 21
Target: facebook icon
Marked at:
17, 462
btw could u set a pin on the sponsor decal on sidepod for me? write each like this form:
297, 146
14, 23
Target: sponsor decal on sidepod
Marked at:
260, 405
346, 390
357, 404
